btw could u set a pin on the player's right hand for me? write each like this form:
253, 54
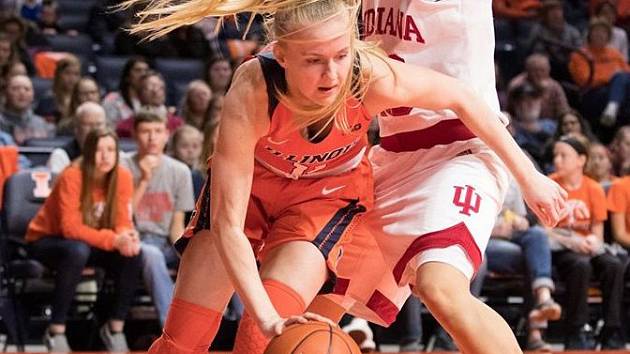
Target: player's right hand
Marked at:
276, 327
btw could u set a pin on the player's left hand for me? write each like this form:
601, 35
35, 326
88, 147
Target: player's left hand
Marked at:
545, 197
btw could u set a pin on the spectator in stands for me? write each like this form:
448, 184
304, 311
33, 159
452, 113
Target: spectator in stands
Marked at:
189, 42
152, 97
555, 38
163, 194
619, 207
17, 30
531, 132
599, 165
88, 116
623, 10
515, 9
219, 75
186, 147
610, 71
13, 69
620, 151
518, 246
196, 104
537, 74
211, 131
572, 122
86, 90
8, 55
55, 105
17, 117
619, 38
48, 19
578, 242
121, 104
86, 220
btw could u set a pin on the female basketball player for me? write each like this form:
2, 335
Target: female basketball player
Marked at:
294, 124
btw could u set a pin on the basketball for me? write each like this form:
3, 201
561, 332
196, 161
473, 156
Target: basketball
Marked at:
312, 338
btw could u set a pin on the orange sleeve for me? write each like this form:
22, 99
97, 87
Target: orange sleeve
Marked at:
578, 67
125, 194
71, 220
598, 197
618, 196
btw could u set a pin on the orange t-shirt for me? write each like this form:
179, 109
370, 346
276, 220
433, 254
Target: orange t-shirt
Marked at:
515, 9
619, 198
60, 216
592, 195
606, 61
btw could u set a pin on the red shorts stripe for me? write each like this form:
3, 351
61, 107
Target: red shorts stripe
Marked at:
443, 133
384, 308
454, 235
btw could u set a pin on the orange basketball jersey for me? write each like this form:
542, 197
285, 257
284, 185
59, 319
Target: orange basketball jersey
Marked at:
287, 153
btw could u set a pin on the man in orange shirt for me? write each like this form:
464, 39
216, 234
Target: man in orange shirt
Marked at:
578, 243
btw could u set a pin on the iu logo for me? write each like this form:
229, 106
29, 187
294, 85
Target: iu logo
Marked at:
42, 187
467, 199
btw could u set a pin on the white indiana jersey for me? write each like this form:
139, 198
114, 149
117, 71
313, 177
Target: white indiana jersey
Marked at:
454, 37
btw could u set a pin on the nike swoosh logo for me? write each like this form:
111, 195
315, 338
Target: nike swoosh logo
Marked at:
276, 142
327, 191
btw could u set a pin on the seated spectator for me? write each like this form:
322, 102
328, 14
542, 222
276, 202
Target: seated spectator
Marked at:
578, 242
17, 31
530, 131
537, 69
17, 117
186, 147
599, 165
572, 122
619, 38
8, 55
517, 247
163, 194
619, 207
48, 19
219, 75
515, 9
55, 105
552, 36
610, 70
189, 42
622, 7
211, 132
620, 151
196, 104
86, 220
122, 104
86, 90
152, 96
89, 116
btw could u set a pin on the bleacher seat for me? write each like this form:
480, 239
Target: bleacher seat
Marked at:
108, 71
74, 22
178, 73
80, 45
36, 154
75, 7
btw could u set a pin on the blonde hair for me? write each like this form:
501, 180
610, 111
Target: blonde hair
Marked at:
284, 19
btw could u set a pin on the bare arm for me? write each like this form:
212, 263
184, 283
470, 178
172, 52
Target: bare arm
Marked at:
397, 84
620, 233
177, 226
244, 120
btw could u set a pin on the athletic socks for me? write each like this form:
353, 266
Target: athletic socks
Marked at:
189, 328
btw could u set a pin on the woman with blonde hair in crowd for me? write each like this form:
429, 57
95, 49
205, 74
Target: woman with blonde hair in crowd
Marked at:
599, 166
295, 126
196, 103
620, 151
86, 220
55, 105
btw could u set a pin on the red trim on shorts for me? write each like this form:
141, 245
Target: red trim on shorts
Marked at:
383, 308
341, 286
442, 133
454, 235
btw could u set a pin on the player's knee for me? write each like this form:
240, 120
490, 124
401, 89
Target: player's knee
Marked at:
437, 295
